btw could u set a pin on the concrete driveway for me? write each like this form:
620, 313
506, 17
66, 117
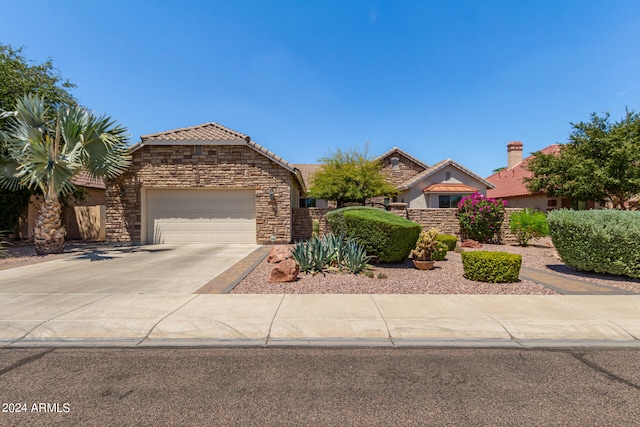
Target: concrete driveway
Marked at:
152, 269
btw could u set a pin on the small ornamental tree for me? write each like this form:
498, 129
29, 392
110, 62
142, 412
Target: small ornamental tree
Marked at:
527, 225
350, 176
481, 217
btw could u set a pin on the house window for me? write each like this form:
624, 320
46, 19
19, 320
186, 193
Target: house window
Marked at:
307, 203
395, 161
197, 150
447, 176
552, 203
448, 201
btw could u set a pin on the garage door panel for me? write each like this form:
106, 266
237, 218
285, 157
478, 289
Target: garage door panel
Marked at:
201, 216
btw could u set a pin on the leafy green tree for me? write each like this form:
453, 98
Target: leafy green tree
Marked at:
18, 77
601, 162
350, 176
47, 153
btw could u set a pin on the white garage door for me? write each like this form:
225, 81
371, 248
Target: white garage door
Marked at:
200, 216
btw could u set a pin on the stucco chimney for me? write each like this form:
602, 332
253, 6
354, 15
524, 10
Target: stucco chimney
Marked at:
514, 153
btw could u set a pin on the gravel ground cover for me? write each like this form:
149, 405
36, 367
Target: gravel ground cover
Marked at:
445, 278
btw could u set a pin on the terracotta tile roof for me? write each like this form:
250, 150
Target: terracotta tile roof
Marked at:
508, 183
205, 132
435, 168
443, 187
83, 179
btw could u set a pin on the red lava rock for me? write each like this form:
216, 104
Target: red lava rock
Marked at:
286, 271
279, 254
470, 243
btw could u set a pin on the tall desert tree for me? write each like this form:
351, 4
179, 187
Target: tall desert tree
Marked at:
20, 76
46, 149
601, 162
350, 176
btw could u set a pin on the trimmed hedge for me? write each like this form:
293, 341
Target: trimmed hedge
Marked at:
440, 253
448, 239
603, 241
494, 267
384, 235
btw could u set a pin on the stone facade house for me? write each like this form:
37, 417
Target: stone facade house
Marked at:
441, 185
206, 184
419, 185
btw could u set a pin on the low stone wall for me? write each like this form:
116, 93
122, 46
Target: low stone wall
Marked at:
444, 220
303, 222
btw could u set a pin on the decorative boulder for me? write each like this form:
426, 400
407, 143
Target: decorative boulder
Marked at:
470, 243
279, 254
286, 271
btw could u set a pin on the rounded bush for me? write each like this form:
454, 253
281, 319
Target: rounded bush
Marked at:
384, 235
493, 267
335, 218
440, 254
603, 241
448, 239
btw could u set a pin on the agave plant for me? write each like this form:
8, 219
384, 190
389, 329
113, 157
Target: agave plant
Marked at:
300, 254
355, 258
46, 150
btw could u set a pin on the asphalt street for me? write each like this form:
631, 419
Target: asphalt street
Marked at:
319, 386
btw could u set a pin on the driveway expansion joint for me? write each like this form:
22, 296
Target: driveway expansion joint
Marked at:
164, 317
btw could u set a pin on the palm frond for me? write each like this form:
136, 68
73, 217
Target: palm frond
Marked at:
86, 142
8, 170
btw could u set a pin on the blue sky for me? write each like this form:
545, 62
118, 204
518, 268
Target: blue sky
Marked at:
439, 79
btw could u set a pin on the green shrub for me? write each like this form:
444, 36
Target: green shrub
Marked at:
481, 217
384, 235
335, 218
603, 241
448, 239
494, 267
440, 253
527, 225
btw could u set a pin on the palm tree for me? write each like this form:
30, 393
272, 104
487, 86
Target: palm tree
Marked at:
45, 150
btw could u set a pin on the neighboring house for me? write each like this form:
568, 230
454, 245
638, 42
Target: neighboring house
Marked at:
204, 183
308, 170
83, 219
442, 185
510, 186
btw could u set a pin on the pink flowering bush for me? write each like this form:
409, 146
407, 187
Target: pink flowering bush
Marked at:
481, 217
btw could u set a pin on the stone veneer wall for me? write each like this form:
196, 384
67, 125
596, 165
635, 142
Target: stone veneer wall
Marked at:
406, 170
303, 222
218, 167
444, 220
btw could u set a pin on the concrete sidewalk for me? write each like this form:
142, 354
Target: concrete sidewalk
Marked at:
323, 320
